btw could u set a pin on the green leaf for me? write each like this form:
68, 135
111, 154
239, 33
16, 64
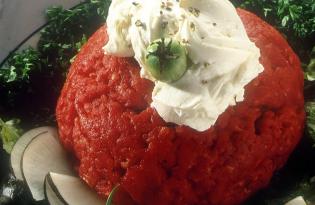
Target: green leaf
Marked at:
9, 134
19, 66
310, 68
12, 75
33, 73
285, 21
296, 17
267, 11
111, 195
79, 44
310, 119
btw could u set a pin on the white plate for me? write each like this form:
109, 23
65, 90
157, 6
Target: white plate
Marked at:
20, 18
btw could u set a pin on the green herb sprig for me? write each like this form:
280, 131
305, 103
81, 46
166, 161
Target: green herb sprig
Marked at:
310, 120
309, 70
9, 134
19, 66
294, 19
288, 15
31, 79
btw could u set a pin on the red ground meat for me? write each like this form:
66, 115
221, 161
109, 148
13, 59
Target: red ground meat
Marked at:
106, 121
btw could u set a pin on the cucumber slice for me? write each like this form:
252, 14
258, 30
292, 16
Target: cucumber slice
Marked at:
42, 155
64, 189
20, 145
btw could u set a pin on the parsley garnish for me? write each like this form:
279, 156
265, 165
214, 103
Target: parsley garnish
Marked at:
31, 79
9, 134
288, 15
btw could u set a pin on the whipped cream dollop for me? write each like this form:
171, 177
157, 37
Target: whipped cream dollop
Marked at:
222, 59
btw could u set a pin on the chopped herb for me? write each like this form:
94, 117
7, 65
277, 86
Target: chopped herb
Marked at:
184, 41
163, 5
214, 24
135, 3
164, 24
192, 26
138, 23
204, 82
310, 120
194, 11
168, 8
310, 68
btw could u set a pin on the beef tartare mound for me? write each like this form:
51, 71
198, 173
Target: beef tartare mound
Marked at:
106, 121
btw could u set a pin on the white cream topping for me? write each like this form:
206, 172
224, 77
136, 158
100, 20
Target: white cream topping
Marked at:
223, 59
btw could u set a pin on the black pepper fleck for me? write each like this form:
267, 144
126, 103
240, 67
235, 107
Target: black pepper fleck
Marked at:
192, 26
204, 81
164, 24
185, 41
168, 8
138, 23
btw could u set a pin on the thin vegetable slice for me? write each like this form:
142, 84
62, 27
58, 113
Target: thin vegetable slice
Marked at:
50, 194
64, 189
20, 145
297, 201
42, 155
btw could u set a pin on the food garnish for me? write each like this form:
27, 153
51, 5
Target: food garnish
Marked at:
67, 189
39, 73
297, 201
112, 194
290, 16
9, 134
310, 120
19, 147
309, 69
42, 155
166, 59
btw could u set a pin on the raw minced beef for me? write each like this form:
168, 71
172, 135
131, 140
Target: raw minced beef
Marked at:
106, 121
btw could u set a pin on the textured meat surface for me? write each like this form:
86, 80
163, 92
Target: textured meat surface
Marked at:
106, 121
